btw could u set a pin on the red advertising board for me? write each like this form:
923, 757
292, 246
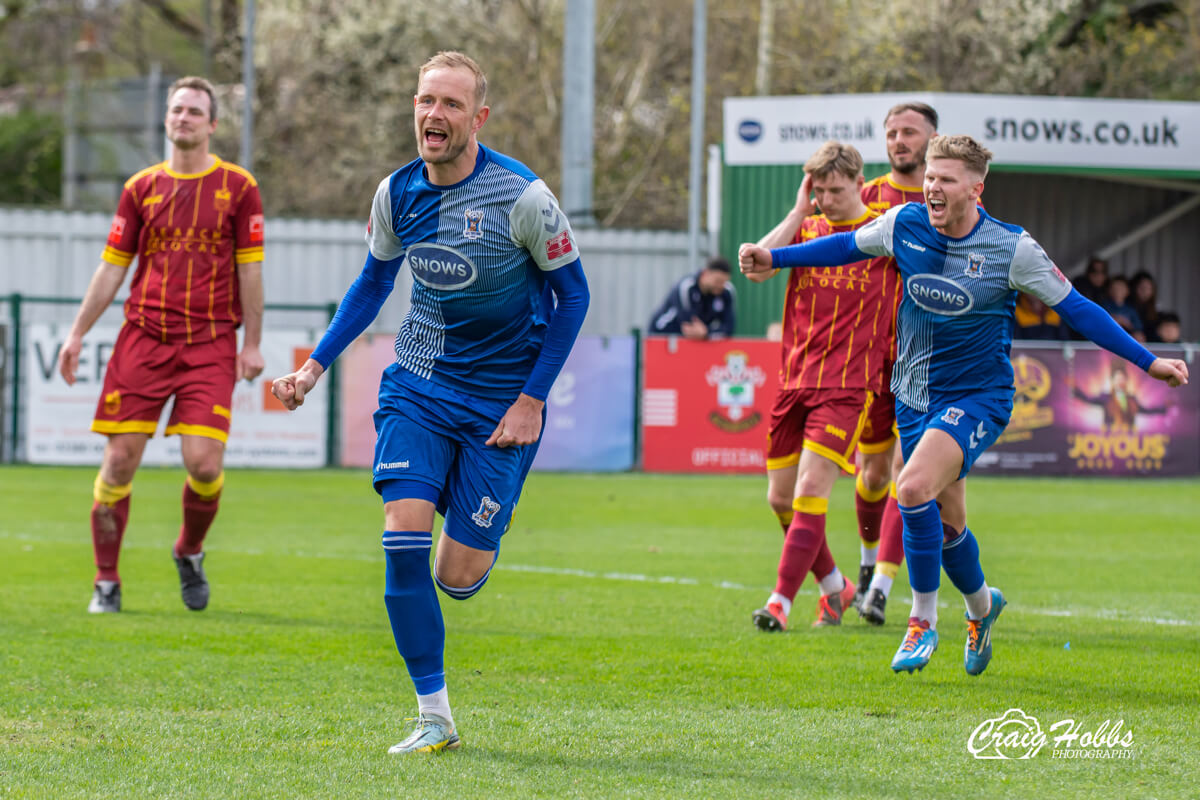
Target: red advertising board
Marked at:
706, 405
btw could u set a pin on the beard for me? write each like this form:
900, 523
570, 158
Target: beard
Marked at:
907, 163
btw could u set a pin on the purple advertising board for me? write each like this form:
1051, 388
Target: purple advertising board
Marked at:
590, 410
1079, 410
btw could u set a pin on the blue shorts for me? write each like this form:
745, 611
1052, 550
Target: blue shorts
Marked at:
430, 442
975, 422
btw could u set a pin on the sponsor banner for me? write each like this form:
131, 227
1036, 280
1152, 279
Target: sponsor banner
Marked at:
359, 370
706, 406
1079, 410
590, 410
589, 416
1044, 132
263, 433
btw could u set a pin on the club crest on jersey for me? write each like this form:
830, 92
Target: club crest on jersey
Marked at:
222, 200
974, 266
939, 294
952, 415
487, 509
473, 219
440, 267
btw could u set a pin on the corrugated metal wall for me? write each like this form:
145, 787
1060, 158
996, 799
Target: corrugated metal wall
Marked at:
54, 253
1072, 216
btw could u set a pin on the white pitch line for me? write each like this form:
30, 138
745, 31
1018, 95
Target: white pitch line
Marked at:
633, 577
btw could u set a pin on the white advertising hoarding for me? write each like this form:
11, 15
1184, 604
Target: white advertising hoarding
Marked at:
1045, 132
58, 417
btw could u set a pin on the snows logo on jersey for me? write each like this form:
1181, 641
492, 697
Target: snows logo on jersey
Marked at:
974, 266
440, 267
487, 509
473, 219
939, 295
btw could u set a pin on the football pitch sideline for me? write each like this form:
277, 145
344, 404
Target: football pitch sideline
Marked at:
611, 654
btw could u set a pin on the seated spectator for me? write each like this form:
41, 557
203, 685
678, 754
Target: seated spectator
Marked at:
1093, 282
1143, 296
699, 306
1035, 320
1169, 329
1117, 304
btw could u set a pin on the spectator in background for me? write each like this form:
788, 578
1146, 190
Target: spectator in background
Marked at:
699, 306
1093, 283
1117, 304
1035, 320
1144, 298
1169, 330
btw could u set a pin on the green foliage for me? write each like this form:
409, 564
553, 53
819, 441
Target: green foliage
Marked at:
333, 104
610, 655
30, 158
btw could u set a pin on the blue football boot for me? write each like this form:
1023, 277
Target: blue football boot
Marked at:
978, 651
919, 643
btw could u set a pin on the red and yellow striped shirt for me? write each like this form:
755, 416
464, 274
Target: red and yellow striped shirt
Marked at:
837, 320
189, 233
880, 194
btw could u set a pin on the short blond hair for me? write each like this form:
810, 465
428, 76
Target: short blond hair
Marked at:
833, 156
200, 84
961, 148
451, 59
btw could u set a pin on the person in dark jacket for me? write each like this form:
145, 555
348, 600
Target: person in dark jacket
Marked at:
699, 306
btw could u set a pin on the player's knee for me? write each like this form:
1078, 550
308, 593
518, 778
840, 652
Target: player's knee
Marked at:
780, 501
462, 587
876, 474
120, 464
913, 490
205, 471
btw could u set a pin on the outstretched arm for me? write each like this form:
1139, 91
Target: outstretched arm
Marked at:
825, 251
1094, 322
357, 310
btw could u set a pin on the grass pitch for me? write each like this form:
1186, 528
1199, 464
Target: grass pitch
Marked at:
610, 655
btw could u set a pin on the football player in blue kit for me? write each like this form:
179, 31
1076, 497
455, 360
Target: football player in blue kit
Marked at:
953, 380
498, 297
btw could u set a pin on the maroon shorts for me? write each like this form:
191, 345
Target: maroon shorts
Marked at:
879, 431
825, 421
143, 373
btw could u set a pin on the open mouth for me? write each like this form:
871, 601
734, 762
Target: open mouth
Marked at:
435, 136
937, 206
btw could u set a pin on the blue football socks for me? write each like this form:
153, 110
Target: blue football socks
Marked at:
413, 609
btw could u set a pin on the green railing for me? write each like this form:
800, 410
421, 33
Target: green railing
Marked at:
17, 302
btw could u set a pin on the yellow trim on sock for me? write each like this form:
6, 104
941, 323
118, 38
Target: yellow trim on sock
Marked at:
108, 494
866, 494
892, 491
207, 491
811, 505
887, 569
785, 517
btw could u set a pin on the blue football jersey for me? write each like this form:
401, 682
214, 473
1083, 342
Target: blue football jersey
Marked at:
954, 328
478, 251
